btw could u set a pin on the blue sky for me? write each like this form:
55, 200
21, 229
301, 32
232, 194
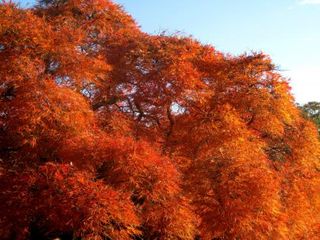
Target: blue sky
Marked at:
287, 30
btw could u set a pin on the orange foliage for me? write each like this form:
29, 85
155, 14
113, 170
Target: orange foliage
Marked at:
107, 132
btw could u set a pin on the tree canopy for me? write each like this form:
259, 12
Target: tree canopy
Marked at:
107, 132
312, 111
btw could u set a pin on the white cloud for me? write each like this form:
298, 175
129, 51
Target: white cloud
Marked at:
305, 83
306, 2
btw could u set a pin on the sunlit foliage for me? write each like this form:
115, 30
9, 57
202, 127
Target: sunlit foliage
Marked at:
107, 132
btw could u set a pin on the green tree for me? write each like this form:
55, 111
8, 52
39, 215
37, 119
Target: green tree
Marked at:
312, 111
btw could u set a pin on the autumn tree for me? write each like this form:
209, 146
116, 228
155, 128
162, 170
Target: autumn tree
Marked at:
111, 133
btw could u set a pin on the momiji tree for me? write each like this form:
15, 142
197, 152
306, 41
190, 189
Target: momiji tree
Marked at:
107, 132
